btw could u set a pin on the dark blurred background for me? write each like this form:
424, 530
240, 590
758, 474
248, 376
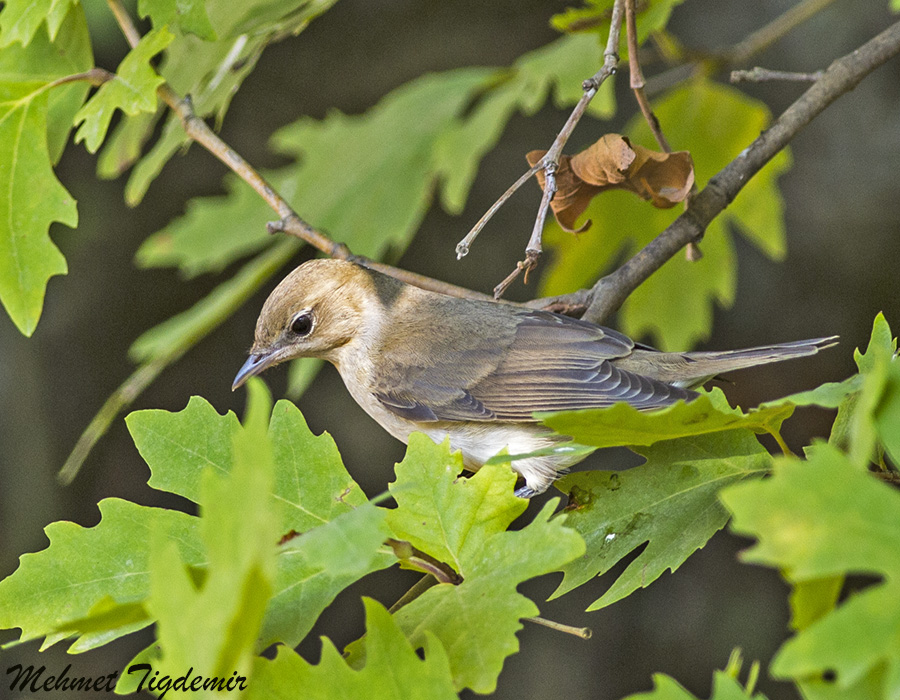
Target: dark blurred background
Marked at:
843, 221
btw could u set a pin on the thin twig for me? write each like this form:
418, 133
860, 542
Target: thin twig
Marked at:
729, 58
123, 19
534, 248
581, 632
550, 162
462, 248
637, 77
843, 75
761, 75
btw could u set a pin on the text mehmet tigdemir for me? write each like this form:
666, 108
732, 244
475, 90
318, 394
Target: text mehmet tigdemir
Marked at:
34, 680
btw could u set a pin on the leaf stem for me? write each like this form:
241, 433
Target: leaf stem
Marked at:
781, 443
422, 585
581, 632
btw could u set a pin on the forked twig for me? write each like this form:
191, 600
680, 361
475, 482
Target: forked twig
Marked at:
550, 162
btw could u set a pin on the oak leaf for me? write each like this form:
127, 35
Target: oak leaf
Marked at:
613, 162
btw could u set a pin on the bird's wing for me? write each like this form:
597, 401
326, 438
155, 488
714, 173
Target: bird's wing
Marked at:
542, 362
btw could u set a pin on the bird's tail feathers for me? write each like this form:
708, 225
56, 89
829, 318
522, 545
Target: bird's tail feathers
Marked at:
709, 364
691, 369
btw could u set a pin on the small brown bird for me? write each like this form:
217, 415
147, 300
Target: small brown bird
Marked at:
474, 370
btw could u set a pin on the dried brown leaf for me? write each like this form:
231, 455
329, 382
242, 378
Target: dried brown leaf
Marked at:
612, 162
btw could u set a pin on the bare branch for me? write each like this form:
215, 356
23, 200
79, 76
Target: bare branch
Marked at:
607, 295
762, 75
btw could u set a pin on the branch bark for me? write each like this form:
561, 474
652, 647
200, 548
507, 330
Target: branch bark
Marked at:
608, 294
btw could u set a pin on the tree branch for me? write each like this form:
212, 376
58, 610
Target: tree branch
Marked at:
607, 295
290, 222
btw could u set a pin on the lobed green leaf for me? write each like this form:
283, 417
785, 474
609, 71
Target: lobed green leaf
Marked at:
392, 670
819, 519
62, 590
670, 503
33, 199
189, 15
21, 19
132, 90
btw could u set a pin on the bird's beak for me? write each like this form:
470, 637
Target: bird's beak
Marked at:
255, 364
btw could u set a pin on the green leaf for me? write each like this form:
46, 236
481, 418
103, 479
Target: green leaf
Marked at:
563, 64
443, 515
824, 518
670, 502
676, 304
370, 178
172, 337
317, 565
179, 446
44, 61
123, 147
724, 688
463, 522
214, 231
211, 72
133, 90
213, 627
312, 488
20, 19
881, 344
867, 414
477, 620
83, 567
622, 424
393, 670
812, 599
189, 15
33, 199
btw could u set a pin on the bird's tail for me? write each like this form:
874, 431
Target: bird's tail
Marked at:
691, 369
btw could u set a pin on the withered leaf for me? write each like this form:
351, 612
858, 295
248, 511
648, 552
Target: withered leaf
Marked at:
613, 162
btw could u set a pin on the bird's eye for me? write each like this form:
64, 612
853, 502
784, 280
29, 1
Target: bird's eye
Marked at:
302, 324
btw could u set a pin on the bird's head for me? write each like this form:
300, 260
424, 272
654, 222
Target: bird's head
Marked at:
317, 309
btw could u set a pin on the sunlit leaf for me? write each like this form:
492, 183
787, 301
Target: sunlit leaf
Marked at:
392, 670
133, 90
824, 518
33, 199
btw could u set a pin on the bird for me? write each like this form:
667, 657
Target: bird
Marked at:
474, 371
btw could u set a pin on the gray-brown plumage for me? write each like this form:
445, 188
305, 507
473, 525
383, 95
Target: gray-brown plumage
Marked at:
476, 371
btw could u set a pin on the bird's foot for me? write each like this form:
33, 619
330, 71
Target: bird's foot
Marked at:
525, 492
